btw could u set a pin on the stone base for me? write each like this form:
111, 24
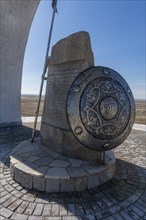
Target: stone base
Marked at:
38, 168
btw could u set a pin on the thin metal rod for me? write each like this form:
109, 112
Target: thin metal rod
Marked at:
44, 72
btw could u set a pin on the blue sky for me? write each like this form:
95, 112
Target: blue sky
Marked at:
117, 32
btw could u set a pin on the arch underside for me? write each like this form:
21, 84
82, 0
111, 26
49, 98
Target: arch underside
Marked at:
15, 23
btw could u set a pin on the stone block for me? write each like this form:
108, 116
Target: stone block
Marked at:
93, 181
39, 183
59, 163
17, 175
52, 185
67, 185
26, 180
75, 162
75, 47
80, 183
76, 171
57, 173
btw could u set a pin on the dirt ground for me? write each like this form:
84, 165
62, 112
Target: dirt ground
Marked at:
29, 105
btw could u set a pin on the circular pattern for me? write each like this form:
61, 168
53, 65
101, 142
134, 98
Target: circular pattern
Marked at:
108, 108
122, 196
99, 102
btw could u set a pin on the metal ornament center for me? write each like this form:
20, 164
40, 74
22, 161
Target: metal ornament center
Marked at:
108, 108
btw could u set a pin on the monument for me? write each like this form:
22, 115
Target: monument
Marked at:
15, 21
88, 111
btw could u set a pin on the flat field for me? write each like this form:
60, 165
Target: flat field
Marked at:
29, 105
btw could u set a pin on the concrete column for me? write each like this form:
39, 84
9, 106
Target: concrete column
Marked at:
15, 21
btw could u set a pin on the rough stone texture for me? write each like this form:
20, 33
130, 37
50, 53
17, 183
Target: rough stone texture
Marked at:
39, 183
60, 174
123, 197
75, 47
15, 21
68, 58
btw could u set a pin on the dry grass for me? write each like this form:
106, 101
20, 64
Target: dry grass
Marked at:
140, 112
29, 105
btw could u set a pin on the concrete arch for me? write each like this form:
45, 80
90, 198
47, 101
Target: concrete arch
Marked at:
15, 21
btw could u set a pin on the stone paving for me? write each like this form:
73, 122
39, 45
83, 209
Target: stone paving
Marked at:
122, 198
39, 168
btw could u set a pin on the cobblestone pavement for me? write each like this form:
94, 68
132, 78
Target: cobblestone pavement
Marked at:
122, 198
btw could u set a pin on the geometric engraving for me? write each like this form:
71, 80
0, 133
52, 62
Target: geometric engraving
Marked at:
100, 108
105, 108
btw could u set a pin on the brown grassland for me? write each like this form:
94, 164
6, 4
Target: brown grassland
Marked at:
29, 105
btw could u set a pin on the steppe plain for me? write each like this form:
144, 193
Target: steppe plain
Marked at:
29, 105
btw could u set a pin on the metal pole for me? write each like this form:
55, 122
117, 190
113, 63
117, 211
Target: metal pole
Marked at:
44, 71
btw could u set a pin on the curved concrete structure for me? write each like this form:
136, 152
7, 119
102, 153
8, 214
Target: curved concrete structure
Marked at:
15, 22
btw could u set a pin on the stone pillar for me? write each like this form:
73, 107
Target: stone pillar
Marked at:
69, 57
15, 21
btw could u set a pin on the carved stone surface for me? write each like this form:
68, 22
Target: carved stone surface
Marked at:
100, 108
69, 57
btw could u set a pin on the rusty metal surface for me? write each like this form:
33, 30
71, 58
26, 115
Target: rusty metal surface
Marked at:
100, 108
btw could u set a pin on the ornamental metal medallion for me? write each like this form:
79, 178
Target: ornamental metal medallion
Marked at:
100, 108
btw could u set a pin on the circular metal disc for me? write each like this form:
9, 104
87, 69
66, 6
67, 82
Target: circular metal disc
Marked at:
100, 108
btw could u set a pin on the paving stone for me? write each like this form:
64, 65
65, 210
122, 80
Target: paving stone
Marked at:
36, 218
15, 204
76, 172
38, 209
75, 162
125, 215
30, 209
138, 211
52, 218
9, 188
55, 210
42, 200
47, 210
2, 218
5, 212
17, 216
17, 193
72, 209
44, 161
22, 207
3, 193
57, 173
131, 180
132, 214
42, 169
117, 216
32, 158
72, 218
5, 198
88, 209
9, 201
29, 197
63, 210
59, 163
80, 210
39, 183
89, 217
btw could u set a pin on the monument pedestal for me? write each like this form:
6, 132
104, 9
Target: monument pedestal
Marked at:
60, 161
38, 168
